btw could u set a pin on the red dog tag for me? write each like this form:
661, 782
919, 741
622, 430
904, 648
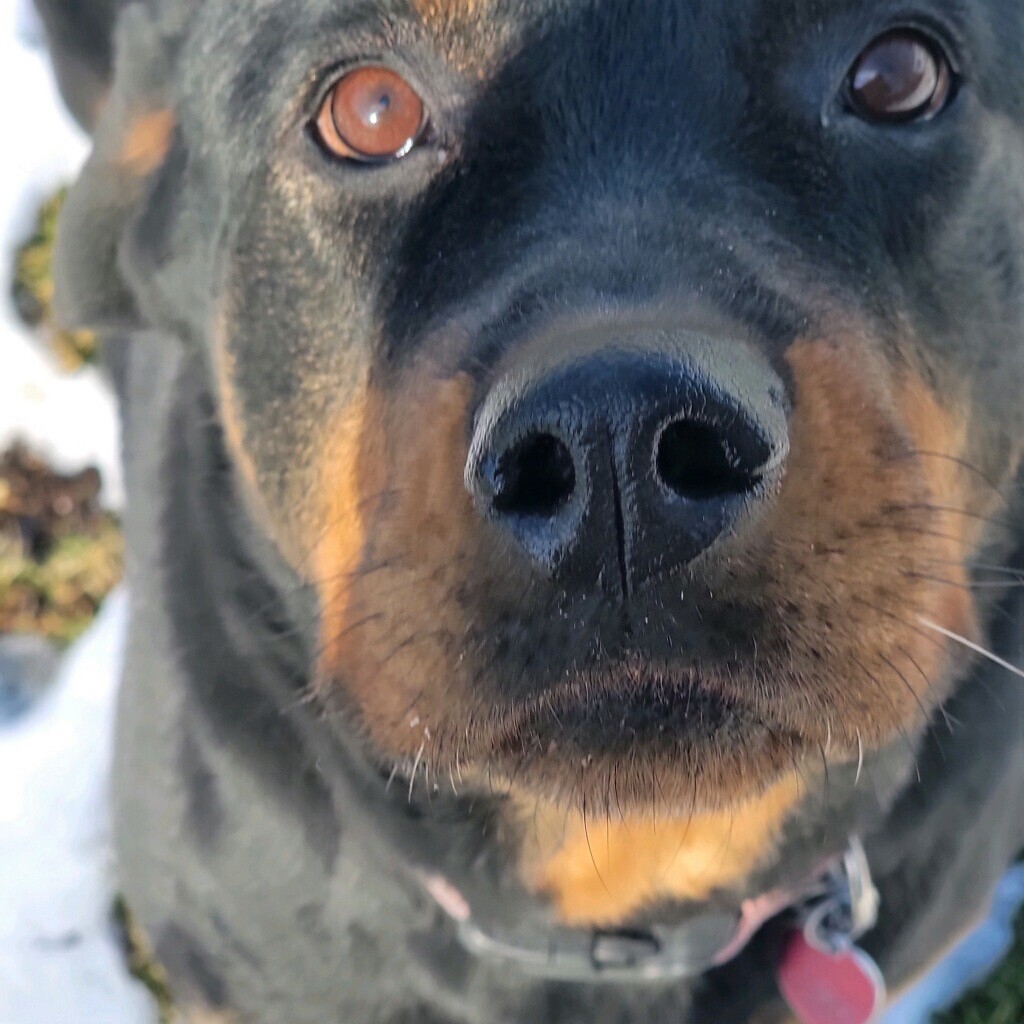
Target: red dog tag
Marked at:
822, 988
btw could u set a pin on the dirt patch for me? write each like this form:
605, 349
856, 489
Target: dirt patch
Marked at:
141, 962
60, 552
32, 289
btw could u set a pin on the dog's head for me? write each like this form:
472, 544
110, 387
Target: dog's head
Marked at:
636, 384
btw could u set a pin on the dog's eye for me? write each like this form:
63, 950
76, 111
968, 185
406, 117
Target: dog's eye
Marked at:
370, 115
902, 76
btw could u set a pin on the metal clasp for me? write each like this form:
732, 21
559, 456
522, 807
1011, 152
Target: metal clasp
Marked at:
847, 906
623, 950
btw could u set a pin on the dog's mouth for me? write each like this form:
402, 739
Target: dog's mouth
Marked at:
612, 734
616, 720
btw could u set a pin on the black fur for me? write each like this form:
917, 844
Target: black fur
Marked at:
657, 155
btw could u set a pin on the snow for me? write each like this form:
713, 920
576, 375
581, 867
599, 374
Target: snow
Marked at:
71, 420
59, 958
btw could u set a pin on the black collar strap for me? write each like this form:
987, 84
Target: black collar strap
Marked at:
840, 903
566, 954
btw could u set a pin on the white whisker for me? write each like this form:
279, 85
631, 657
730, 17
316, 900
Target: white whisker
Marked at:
415, 768
977, 648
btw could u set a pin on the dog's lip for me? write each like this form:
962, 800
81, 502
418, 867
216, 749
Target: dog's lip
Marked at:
633, 707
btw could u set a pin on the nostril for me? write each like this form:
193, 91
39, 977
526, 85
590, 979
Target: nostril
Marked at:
536, 477
698, 462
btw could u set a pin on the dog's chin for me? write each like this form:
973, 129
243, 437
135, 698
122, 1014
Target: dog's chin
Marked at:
613, 745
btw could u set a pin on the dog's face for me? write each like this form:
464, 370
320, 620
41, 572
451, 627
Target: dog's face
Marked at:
635, 383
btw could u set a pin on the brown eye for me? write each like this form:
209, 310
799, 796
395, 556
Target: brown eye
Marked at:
372, 115
902, 76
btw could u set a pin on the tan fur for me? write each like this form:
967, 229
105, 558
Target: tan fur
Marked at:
855, 533
348, 500
392, 476
599, 872
230, 413
864, 540
444, 12
471, 38
290, 530
146, 143
201, 1015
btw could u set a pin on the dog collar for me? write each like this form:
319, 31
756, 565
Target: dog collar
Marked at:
832, 911
822, 974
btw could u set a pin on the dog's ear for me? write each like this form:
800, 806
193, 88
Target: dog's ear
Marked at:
132, 139
80, 34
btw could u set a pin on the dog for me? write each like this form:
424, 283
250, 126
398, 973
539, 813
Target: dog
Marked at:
573, 528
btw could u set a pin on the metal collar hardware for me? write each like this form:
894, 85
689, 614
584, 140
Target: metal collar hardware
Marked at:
656, 955
834, 911
845, 906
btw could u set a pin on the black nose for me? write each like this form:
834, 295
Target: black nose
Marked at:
626, 460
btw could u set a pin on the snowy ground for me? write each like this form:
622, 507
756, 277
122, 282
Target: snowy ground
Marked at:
43, 149
59, 962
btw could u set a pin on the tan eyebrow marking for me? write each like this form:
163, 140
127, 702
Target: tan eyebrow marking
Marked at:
146, 142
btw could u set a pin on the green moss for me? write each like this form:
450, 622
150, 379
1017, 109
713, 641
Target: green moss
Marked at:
33, 289
142, 964
60, 553
1000, 999
59, 595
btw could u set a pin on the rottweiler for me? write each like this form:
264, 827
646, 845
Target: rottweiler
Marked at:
574, 518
